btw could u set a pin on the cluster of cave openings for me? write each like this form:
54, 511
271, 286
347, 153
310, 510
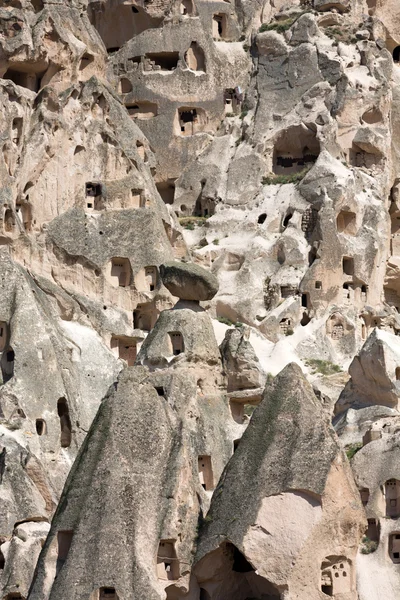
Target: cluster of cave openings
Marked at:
219, 26
394, 546
194, 58
120, 274
29, 80
396, 54
186, 8
335, 576
176, 343
105, 593
161, 61
392, 495
167, 561
346, 222
64, 541
206, 476
65, 423
166, 189
295, 148
190, 121
125, 349
7, 364
94, 195
142, 110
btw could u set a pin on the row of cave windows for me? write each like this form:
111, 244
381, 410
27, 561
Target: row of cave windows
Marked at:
335, 571
391, 495
65, 423
34, 80
164, 61
140, 21
127, 350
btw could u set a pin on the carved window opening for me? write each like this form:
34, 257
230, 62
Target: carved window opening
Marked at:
64, 541
161, 61
177, 343
167, 561
65, 423
219, 26
205, 472
41, 427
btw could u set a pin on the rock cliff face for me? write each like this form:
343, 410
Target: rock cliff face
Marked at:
199, 275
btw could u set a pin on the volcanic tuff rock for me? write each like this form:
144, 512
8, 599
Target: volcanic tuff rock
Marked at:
188, 281
196, 198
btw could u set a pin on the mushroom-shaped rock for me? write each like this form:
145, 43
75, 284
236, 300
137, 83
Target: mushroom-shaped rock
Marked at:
297, 489
188, 281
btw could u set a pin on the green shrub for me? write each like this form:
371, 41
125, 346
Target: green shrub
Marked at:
282, 179
352, 449
289, 331
249, 409
322, 366
225, 321
368, 546
191, 222
278, 26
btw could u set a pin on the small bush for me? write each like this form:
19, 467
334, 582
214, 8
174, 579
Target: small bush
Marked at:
289, 331
282, 179
225, 321
191, 222
278, 26
243, 114
216, 242
249, 409
322, 366
352, 449
368, 546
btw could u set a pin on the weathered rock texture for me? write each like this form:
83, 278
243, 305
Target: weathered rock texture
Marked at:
194, 195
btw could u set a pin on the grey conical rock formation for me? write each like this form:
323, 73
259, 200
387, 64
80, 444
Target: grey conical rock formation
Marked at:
135, 492
286, 515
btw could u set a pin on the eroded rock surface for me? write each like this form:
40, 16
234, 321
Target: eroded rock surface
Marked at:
199, 241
